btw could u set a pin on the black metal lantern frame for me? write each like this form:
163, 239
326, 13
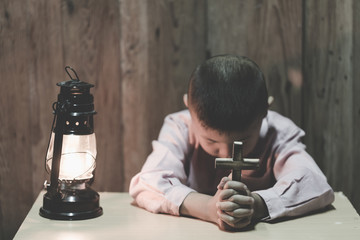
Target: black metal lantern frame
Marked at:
71, 155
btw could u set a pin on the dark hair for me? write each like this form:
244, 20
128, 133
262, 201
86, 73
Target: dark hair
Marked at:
228, 93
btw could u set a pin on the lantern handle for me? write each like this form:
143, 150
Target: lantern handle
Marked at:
66, 69
54, 107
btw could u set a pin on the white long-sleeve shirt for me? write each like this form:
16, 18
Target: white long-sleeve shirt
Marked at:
288, 179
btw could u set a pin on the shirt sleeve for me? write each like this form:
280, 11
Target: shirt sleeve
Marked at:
300, 185
160, 186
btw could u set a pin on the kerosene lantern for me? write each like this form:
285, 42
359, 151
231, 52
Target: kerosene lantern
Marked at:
71, 155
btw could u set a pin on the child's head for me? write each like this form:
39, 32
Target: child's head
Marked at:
227, 95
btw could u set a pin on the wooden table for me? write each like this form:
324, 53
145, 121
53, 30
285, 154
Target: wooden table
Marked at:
122, 220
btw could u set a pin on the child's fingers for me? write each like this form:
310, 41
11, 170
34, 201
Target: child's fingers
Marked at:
234, 209
233, 221
237, 186
227, 193
227, 206
241, 213
243, 223
224, 226
222, 183
234, 196
227, 218
243, 201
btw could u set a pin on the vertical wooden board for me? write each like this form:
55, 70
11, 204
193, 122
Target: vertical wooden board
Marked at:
227, 26
269, 32
45, 70
329, 86
135, 82
355, 189
176, 45
161, 43
15, 153
90, 34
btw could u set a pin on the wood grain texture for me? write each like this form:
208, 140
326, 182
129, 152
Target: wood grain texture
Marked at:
15, 118
90, 32
139, 54
355, 189
161, 43
45, 70
329, 69
270, 33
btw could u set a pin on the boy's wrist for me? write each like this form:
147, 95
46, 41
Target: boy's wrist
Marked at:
260, 208
199, 206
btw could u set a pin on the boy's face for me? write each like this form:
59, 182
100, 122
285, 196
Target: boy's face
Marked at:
220, 144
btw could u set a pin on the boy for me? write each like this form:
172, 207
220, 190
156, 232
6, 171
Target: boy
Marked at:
227, 102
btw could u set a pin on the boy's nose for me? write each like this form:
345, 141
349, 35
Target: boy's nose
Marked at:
225, 151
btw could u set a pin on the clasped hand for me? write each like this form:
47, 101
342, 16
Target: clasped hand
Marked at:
235, 205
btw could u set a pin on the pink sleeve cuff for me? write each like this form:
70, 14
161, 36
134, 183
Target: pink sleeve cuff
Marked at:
156, 201
176, 197
273, 202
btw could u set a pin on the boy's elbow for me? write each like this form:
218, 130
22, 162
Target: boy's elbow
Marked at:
327, 198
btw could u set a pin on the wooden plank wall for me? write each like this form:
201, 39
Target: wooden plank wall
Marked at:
139, 54
269, 32
161, 42
354, 192
332, 106
15, 145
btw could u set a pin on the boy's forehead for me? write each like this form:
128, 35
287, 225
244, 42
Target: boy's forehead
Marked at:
233, 135
200, 124
205, 131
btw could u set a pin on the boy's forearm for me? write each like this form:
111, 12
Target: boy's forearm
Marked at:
198, 205
203, 207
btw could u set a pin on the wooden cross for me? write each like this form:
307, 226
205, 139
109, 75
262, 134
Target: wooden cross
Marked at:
237, 162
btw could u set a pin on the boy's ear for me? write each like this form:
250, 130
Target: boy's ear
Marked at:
185, 99
270, 100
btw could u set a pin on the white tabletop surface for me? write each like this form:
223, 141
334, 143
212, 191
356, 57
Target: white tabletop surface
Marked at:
122, 220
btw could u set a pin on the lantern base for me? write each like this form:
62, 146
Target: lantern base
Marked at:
71, 205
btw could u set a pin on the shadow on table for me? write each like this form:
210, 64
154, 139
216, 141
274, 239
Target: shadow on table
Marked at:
252, 226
